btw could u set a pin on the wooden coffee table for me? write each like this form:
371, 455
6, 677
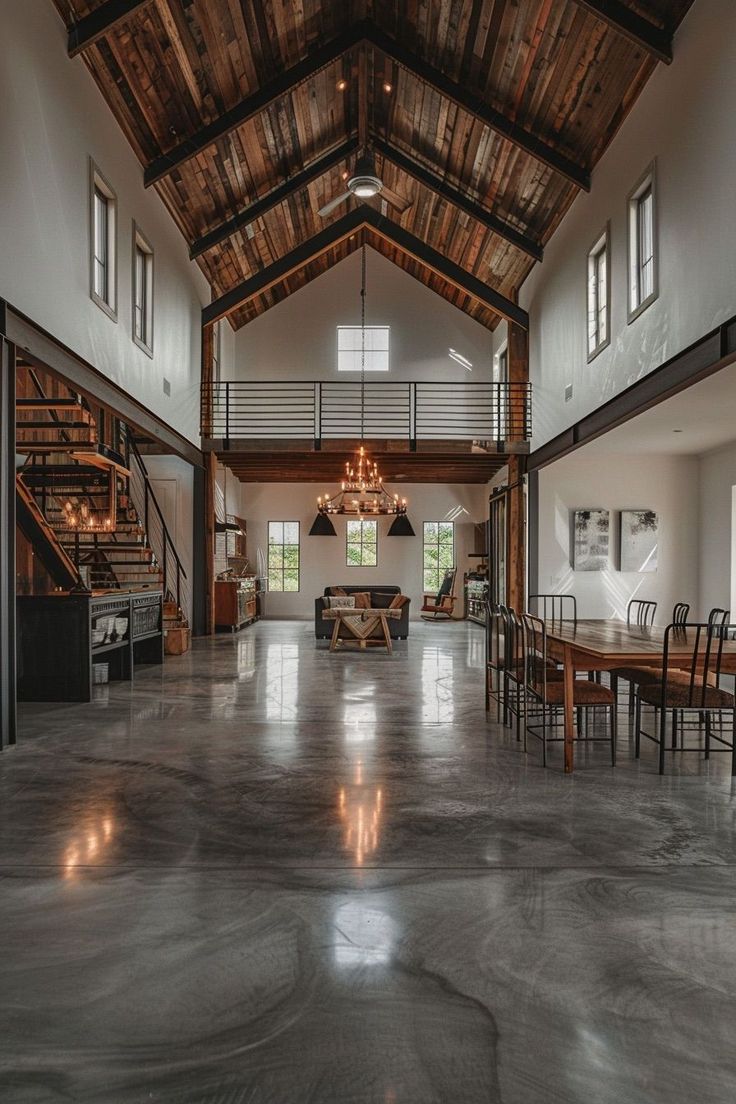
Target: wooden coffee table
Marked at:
363, 616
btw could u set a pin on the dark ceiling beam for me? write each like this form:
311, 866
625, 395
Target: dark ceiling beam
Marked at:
476, 106
638, 30
271, 199
88, 30
459, 199
436, 262
406, 242
307, 251
254, 104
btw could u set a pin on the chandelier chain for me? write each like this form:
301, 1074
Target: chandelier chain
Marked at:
362, 343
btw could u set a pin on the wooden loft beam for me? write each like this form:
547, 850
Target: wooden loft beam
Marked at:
633, 26
436, 262
91, 28
291, 262
459, 199
254, 104
476, 106
351, 223
271, 199
306, 68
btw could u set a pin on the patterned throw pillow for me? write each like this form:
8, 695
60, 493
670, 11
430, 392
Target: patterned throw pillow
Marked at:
362, 599
398, 601
340, 601
337, 591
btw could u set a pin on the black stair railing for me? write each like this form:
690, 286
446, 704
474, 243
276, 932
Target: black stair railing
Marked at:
143, 499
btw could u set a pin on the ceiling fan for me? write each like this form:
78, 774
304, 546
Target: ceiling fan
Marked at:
365, 184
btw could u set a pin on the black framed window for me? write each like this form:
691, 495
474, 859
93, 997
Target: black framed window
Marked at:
283, 556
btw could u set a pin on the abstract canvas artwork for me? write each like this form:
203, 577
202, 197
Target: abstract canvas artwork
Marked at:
639, 540
590, 540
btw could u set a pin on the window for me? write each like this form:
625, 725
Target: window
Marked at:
349, 348
643, 277
362, 543
438, 554
283, 555
142, 292
103, 230
599, 307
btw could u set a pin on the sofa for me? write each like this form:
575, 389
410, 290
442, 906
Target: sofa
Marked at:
380, 599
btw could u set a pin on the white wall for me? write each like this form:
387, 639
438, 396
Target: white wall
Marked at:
323, 558
717, 477
297, 339
665, 484
54, 119
684, 118
173, 485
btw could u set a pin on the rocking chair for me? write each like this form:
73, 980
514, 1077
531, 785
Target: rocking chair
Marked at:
443, 603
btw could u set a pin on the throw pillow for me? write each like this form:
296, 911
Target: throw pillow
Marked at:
362, 599
337, 590
381, 599
398, 601
341, 601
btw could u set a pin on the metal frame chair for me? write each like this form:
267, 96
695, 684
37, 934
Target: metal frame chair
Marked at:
495, 657
444, 603
545, 690
695, 689
554, 607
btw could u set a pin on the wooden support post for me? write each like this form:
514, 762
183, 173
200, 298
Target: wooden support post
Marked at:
209, 531
7, 542
518, 372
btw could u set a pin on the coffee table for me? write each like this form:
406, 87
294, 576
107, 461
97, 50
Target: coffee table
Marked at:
361, 622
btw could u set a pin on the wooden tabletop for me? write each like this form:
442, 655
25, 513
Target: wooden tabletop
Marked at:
615, 639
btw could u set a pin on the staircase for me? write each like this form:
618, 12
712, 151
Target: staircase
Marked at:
91, 506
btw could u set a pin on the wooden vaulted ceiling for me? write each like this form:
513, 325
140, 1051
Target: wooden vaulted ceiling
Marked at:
487, 115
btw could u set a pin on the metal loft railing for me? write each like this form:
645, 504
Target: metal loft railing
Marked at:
143, 498
321, 410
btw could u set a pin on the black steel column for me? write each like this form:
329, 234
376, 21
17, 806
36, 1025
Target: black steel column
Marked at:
199, 540
532, 530
7, 543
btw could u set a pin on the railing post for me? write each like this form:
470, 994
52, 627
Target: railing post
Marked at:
145, 510
164, 564
317, 416
227, 414
500, 386
178, 586
413, 417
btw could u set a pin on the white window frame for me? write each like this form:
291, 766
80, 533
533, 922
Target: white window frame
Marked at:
142, 247
646, 183
362, 543
597, 312
109, 301
356, 348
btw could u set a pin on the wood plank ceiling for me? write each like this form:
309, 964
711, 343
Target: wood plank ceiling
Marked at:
510, 103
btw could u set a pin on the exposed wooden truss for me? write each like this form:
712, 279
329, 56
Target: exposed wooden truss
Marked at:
91, 28
357, 219
655, 40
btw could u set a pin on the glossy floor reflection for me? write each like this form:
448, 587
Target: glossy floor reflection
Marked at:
280, 876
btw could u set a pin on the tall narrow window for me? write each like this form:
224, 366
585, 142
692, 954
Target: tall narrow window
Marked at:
283, 555
103, 231
362, 543
350, 348
142, 292
643, 276
438, 553
599, 309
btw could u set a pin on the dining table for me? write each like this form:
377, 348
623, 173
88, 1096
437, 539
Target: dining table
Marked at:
604, 645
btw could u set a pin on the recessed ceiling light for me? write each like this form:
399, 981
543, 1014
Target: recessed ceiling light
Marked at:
460, 359
342, 85
387, 87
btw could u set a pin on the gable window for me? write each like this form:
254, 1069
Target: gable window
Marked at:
438, 553
103, 240
283, 556
142, 292
362, 543
599, 305
643, 275
350, 348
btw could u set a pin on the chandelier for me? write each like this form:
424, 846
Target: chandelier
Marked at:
362, 492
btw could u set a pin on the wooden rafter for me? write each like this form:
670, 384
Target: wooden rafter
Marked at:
265, 203
361, 32
254, 104
91, 28
404, 240
633, 26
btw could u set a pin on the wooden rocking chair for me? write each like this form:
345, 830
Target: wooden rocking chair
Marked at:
443, 603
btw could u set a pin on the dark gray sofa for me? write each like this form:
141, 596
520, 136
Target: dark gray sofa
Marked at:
380, 599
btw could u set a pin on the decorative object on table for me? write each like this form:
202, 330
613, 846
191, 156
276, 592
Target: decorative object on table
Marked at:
362, 493
443, 603
591, 535
639, 540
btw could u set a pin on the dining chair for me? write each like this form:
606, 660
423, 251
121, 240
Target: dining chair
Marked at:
544, 694
693, 687
718, 616
495, 655
639, 614
554, 607
680, 613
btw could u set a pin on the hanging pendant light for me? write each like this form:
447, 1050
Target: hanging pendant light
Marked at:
362, 492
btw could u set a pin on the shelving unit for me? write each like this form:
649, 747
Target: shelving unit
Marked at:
475, 599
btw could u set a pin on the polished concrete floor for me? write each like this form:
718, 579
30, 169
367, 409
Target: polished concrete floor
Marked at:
280, 876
